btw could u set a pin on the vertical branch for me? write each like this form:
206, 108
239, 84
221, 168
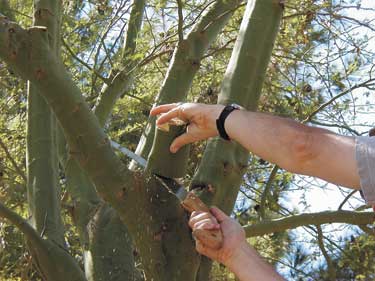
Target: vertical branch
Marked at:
242, 84
331, 268
180, 22
266, 192
42, 167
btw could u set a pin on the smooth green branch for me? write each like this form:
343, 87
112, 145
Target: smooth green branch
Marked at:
55, 259
122, 82
278, 225
42, 162
20, 223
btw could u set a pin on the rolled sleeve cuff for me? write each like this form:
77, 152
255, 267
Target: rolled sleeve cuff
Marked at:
365, 157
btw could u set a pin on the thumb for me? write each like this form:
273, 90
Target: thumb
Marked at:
180, 141
219, 214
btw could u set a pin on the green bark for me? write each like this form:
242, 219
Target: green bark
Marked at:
53, 262
161, 161
185, 64
220, 174
43, 188
109, 255
294, 221
108, 248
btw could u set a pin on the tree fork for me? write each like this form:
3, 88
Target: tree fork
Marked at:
123, 80
185, 64
88, 208
28, 53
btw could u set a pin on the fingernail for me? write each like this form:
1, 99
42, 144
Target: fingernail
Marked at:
173, 149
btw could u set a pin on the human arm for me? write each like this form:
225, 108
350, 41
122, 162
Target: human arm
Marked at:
235, 253
293, 146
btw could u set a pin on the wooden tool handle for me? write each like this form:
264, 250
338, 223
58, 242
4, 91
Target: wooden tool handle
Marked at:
211, 238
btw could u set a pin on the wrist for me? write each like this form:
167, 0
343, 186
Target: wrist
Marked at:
234, 124
221, 121
215, 111
241, 254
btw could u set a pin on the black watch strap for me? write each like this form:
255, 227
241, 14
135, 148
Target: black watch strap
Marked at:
221, 120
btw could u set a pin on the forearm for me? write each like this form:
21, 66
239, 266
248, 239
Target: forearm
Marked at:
247, 265
272, 138
296, 147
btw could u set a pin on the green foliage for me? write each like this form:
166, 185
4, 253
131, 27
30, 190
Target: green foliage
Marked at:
355, 261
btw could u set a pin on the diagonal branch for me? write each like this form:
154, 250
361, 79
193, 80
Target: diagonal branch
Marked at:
54, 258
71, 52
20, 223
12, 161
124, 79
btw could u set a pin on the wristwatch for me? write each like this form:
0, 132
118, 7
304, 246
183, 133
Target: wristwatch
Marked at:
228, 109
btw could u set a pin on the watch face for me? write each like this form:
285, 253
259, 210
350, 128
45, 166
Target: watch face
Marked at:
236, 106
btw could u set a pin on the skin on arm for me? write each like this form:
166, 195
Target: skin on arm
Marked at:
235, 253
293, 146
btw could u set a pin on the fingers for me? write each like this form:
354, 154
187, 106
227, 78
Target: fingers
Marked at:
203, 220
219, 214
162, 108
181, 141
165, 117
206, 224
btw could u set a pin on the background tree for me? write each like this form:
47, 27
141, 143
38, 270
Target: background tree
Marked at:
89, 217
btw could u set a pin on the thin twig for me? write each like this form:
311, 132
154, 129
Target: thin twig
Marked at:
346, 199
105, 80
11, 159
267, 190
180, 22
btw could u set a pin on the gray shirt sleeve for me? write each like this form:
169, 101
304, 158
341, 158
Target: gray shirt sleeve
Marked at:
365, 156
